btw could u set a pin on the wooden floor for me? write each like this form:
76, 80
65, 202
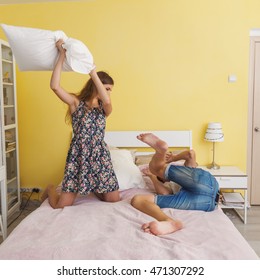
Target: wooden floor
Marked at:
250, 231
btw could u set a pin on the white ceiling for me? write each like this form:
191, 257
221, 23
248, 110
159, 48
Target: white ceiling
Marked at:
8, 2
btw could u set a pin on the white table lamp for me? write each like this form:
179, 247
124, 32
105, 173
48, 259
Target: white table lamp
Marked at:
214, 134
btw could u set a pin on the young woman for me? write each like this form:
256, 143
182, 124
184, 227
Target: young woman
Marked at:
88, 165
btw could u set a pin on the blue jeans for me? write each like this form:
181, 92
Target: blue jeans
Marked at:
198, 189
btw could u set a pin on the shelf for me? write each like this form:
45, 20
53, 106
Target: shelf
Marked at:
241, 206
7, 84
8, 106
9, 151
11, 180
232, 200
7, 61
13, 202
9, 126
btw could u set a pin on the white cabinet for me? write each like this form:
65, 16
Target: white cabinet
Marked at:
9, 156
231, 178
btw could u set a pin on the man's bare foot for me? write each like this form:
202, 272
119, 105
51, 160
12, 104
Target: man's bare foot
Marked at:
163, 227
153, 141
169, 157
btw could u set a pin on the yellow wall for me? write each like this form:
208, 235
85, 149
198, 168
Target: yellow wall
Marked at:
170, 60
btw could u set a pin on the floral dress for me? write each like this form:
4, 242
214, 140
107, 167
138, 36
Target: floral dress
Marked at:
88, 165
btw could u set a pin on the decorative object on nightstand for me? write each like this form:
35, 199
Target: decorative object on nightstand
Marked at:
214, 134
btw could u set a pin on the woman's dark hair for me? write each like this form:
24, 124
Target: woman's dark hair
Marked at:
89, 91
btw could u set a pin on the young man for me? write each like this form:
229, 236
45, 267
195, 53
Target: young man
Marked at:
199, 189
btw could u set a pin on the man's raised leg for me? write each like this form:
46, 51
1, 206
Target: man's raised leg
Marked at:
157, 164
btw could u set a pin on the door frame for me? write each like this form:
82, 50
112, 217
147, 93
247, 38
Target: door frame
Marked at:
254, 38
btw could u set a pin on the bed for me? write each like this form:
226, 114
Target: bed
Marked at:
96, 230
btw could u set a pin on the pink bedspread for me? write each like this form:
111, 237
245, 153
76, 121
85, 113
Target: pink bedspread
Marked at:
96, 230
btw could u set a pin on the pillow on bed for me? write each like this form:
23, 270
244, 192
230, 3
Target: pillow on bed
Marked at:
127, 173
35, 50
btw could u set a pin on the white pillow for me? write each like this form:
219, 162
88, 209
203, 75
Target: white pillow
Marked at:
35, 50
127, 173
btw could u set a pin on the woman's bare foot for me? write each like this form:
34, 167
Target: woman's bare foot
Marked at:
163, 227
153, 141
46, 192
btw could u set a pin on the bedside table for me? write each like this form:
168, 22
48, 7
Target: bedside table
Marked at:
231, 177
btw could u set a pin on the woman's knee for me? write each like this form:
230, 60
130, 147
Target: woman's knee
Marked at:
64, 200
111, 197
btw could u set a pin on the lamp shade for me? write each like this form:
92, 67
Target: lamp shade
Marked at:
214, 133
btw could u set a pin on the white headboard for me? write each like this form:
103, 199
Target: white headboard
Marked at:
127, 139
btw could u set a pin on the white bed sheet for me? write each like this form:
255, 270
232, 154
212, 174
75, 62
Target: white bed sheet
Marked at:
95, 230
